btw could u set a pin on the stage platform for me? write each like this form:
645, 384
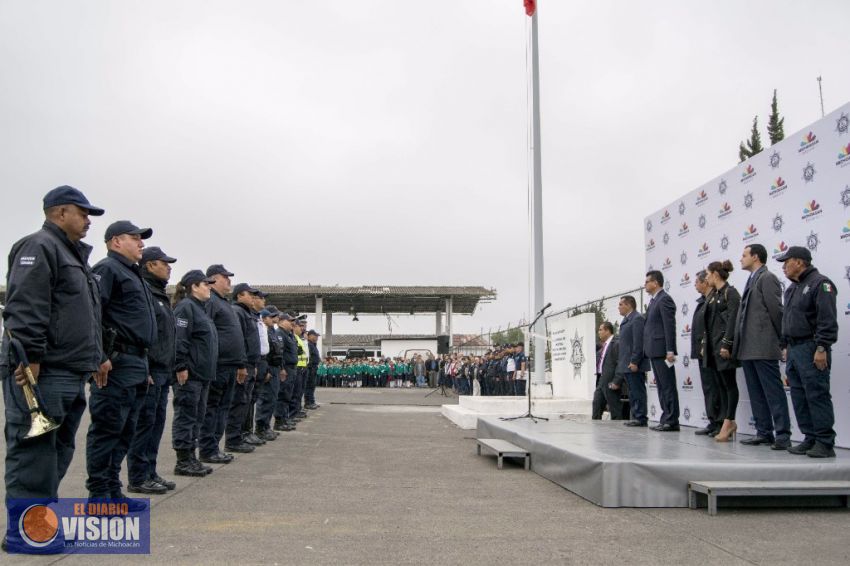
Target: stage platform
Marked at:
469, 409
617, 466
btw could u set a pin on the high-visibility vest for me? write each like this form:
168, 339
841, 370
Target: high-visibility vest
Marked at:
304, 354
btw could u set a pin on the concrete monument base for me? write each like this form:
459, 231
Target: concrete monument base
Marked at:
469, 409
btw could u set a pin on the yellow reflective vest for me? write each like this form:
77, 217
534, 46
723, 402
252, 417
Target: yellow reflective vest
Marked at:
303, 352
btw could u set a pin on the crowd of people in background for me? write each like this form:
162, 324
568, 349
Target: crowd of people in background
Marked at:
501, 371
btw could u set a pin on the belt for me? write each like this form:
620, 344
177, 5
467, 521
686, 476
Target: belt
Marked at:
263, 358
129, 349
798, 341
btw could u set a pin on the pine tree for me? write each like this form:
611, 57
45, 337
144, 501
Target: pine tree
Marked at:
743, 154
775, 125
754, 146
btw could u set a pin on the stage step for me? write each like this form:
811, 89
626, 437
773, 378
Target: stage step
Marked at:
715, 489
504, 449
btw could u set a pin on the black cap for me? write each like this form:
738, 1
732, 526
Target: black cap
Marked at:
312, 333
267, 313
126, 227
155, 253
795, 252
241, 288
70, 195
286, 316
218, 269
259, 293
193, 277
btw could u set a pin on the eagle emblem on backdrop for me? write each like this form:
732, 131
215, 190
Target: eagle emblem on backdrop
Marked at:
577, 354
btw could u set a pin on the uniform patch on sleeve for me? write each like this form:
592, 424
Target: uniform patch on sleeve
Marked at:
182, 323
27, 260
827, 288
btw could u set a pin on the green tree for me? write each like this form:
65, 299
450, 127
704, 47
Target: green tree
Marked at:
754, 146
743, 154
775, 124
507, 336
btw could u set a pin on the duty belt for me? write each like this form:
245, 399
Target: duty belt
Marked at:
129, 349
798, 341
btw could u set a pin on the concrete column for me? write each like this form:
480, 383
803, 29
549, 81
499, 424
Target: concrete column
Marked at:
439, 330
328, 342
449, 321
319, 323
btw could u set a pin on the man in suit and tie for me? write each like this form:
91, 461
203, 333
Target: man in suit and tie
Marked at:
659, 345
631, 363
758, 331
608, 382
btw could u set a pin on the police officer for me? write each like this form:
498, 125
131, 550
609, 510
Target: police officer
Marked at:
313, 370
230, 367
809, 329
269, 385
299, 332
243, 306
196, 363
117, 395
141, 460
53, 309
283, 420
259, 300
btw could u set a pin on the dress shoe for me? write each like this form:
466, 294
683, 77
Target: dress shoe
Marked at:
703, 431
634, 423
820, 450
169, 485
666, 428
133, 505
714, 432
242, 448
253, 440
756, 440
312, 406
149, 487
267, 435
781, 445
218, 458
802, 448
301, 414
278, 425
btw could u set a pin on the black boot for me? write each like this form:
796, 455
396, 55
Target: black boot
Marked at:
185, 465
197, 463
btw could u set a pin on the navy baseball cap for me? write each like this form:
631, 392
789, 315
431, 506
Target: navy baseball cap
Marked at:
193, 277
795, 252
126, 227
218, 269
286, 316
259, 293
242, 288
266, 312
69, 195
155, 253
312, 333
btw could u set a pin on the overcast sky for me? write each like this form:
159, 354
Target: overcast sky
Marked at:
384, 141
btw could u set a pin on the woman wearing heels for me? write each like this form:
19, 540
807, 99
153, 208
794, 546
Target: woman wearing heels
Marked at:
720, 312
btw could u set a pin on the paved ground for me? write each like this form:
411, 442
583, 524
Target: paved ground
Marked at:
379, 477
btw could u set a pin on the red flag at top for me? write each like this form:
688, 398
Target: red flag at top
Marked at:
530, 7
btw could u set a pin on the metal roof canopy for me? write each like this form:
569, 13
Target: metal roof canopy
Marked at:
374, 299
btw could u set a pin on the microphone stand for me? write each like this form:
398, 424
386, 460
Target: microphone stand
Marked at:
529, 414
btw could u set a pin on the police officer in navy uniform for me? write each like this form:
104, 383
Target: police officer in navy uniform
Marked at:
117, 395
141, 460
243, 307
196, 363
809, 329
313, 370
283, 420
230, 367
53, 309
269, 384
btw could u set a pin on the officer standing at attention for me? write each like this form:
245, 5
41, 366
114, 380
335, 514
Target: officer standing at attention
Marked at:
269, 386
118, 394
141, 460
301, 369
259, 305
230, 367
53, 310
283, 420
809, 329
243, 306
197, 357
313, 367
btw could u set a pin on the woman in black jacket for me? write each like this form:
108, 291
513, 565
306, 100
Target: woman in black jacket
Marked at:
720, 313
197, 356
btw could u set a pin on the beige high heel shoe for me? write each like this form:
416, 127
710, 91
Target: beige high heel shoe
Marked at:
727, 431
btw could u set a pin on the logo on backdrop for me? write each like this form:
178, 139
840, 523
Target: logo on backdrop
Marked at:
724, 242
847, 312
845, 232
686, 331
683, 258
685, 310
750, 233
847, 273
809, 172
649, 225
667, 264
652, 409
780, 249
811, 210
665, 218
687, 414
808, 143
778, 223
812, 241
724, 211
777, 187
577, 356
682, 208
842, 124
684, 230
666, 238
775, 159
687, 385
703, 250
650, 245
721, 187
748, 174
686, 361
667, 285
702, 221
702, 198
845, 196
843, 156
748, 200
685, 282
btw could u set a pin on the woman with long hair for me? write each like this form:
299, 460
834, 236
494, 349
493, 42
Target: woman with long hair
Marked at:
197, 355
720, 313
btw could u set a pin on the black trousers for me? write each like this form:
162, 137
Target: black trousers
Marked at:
728, 393
190, 406
144, 448
668, 396
218, 405
710, 382
284, 396
604, 395
239, 408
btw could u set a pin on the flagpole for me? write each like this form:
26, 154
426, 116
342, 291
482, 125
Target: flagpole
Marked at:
539, 374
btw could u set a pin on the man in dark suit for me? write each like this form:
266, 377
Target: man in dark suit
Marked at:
632, 364
659, 345
709, 379
608, 381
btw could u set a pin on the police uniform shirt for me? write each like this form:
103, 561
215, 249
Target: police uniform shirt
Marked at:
126, 301
810, 310
264, 338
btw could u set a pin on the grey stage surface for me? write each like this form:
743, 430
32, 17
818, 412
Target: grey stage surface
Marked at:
617, 466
